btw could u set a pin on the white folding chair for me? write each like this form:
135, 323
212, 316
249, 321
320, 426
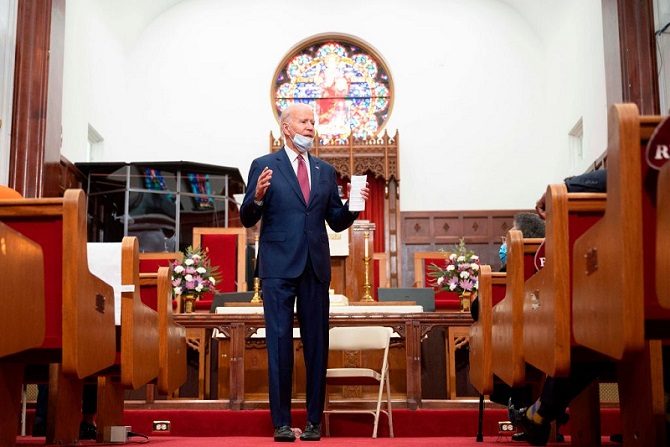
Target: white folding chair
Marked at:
363, 338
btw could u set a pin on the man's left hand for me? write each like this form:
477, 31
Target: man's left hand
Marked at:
365, 191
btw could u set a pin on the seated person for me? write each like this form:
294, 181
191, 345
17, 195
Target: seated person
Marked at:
530, 225
87, 429
558, 392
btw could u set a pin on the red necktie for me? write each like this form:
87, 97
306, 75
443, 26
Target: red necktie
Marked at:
303, 180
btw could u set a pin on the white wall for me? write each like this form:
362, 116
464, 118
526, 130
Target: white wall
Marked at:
94, 85
483, 100
575, 88
661, 18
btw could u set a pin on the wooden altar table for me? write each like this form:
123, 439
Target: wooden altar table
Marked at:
411, 329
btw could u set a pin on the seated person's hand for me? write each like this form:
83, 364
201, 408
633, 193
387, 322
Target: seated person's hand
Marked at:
462, 342
540, 206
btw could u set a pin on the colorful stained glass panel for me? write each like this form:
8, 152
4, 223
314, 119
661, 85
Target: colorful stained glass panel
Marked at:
347, 86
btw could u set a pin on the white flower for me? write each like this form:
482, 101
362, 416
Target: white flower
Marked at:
188, 262
452, 286
198, 288
474, 266
461, 258
440, 280
474, 257
452, 256
451, 268
201, 270
465, 275
212, 280
177, 290
188, 277
179, 269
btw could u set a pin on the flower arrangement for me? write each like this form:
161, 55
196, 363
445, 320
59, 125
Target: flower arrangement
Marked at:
195, 274
461, 273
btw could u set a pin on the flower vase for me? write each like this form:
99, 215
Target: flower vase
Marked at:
188, 302
465, 301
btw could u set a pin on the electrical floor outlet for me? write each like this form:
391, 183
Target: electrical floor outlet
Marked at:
161, 426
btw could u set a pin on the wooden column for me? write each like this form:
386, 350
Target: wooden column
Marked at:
638, 55
38, 90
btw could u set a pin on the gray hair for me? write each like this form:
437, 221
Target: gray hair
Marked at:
530, 224
287, 112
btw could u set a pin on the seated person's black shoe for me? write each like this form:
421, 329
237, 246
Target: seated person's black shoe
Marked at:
536, 434
284, 434
520, 437
616, 437
87, 431
312, 432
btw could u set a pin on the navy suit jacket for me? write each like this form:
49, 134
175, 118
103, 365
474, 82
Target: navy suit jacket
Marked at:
290, 228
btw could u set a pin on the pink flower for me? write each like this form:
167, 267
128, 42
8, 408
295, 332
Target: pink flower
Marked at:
466, 285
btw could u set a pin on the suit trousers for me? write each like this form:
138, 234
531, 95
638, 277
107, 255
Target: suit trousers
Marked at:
279, 298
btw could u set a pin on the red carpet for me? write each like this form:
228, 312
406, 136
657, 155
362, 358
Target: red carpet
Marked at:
406, 423
174, 441
225, 428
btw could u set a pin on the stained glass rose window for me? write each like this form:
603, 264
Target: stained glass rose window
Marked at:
348, 85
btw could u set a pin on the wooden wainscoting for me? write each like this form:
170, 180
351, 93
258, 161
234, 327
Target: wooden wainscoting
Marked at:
436, 230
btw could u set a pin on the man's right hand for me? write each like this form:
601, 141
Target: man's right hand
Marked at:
263, 183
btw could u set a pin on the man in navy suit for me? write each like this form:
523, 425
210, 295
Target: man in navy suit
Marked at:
293, 203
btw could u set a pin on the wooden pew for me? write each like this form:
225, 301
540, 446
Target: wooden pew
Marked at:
611, 283
139, 350
491, 291
195, 338
615, 304
507, 318
156, 288
663, 237
79, 337
547, 298
22, 320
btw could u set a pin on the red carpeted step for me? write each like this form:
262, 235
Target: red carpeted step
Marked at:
406, 423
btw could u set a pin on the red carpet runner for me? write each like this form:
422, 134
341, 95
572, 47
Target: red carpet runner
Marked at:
406, 423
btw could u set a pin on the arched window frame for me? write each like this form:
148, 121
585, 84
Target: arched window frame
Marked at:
309, 45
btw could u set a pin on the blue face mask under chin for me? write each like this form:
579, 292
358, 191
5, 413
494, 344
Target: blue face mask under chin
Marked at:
302, 142
502, 253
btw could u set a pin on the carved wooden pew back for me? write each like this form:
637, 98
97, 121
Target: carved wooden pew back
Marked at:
139, 349
79, 334
507, 318
155, 287
547, 298
614, 284
491, 292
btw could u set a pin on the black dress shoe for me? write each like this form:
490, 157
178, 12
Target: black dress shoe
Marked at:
284, 434
616, 437
312, 432
520, 437
536, 434
87, 431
